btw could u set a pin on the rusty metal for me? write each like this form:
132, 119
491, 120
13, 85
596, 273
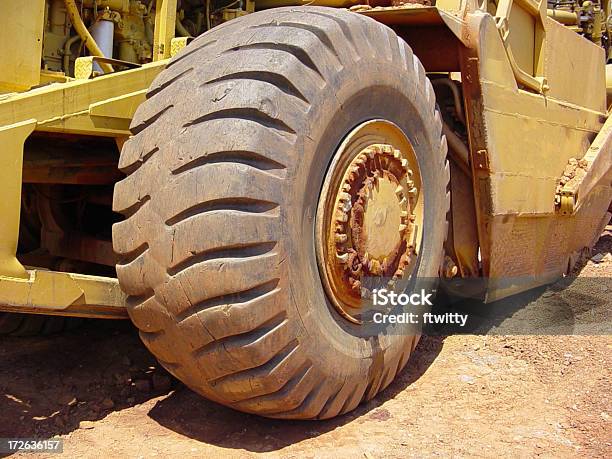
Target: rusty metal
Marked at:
89, 161
370, 215
78, 246
581, 176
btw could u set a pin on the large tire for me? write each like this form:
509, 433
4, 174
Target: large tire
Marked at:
225, 166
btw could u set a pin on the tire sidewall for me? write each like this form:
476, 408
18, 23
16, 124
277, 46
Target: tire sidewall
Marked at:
362, 92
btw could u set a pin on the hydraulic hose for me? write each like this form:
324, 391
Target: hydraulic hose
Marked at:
66, 56
88, 40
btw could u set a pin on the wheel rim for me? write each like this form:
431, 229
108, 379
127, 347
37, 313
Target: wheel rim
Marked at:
369, 217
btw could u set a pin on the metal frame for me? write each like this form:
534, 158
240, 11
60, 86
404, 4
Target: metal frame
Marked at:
102, 106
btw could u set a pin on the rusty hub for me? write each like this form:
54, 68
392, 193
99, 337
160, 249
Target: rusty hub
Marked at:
369, 216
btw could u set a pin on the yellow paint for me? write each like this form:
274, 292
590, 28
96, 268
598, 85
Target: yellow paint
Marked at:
66, 107
65, 293
165, 23
20, 44
11, 165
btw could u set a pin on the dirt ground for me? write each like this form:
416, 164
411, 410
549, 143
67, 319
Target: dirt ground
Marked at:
460, 395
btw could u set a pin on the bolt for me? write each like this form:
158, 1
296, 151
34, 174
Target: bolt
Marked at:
374, 267
341, 216
344, 196
450, 269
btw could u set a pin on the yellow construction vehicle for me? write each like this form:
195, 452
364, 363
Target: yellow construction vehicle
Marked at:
238, 176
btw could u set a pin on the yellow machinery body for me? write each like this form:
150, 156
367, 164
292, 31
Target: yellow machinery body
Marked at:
531, 167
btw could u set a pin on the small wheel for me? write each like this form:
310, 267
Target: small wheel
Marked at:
283, 164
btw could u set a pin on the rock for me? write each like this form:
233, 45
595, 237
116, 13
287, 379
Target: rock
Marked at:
360, 8
67, 399
94, 409
143, 385
59, 422
86, 425
122, 378
107, 403
161, 382
597, 258
380, 415
467, 379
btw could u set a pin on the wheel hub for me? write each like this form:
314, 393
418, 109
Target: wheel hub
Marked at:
371, 209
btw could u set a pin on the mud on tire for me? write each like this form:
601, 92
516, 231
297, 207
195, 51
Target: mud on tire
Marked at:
224, 171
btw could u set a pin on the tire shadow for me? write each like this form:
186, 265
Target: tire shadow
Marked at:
188, 414
49, 385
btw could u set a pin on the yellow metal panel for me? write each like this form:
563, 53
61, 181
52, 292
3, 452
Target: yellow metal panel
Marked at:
178, 44
20, 43
597, 167
574, 67
123, 106
12, 139
552, 128
66, 107
48, 76
165, 25
50, 292
522, 38
86, 124
521, 142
